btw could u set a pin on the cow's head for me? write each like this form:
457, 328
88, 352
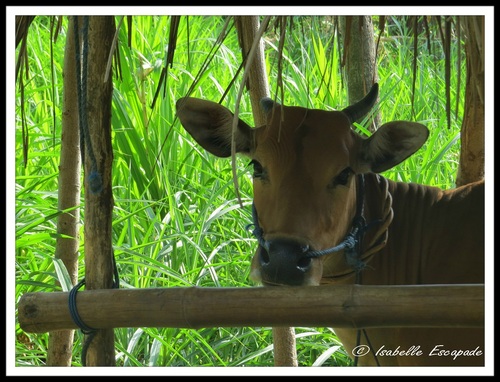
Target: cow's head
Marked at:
304, 162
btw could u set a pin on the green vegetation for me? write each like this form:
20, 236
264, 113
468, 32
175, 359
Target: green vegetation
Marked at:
177, 220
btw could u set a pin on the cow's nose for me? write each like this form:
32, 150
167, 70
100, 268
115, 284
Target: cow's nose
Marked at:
284, 262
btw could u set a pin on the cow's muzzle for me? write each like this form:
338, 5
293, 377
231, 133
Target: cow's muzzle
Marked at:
284, 262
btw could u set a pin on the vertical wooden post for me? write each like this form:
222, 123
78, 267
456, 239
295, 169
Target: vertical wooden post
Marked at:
98, 197
359, 57
257, 84
472, 156
285, 353
59, 351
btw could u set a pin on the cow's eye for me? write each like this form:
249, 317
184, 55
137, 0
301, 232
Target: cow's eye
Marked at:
343, 177
258, 170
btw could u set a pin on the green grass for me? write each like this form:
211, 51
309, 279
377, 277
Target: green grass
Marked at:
177, 221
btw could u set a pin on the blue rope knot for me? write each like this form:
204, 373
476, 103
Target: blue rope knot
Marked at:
351, 254
349, 242
95, 182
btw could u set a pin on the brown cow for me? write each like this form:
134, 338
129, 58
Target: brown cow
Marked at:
322, 214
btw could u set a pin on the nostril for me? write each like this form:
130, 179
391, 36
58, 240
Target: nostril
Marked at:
304, 263
263, 257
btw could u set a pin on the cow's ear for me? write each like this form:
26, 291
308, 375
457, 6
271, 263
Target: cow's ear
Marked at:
391, 144
211, 125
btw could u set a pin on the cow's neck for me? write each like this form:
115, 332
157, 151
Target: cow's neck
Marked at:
377, 213
389, 243
415, 252
389, 246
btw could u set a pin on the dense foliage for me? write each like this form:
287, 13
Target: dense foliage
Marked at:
177, 221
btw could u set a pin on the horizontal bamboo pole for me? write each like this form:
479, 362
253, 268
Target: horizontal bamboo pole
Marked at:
346, 306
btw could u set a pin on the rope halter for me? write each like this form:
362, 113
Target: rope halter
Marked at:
351, 245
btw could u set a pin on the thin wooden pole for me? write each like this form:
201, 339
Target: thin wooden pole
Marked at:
59, 351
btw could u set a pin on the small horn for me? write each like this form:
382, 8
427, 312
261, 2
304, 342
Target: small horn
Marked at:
362, 107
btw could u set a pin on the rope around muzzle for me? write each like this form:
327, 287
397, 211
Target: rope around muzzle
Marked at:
351, 244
